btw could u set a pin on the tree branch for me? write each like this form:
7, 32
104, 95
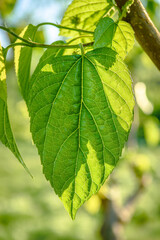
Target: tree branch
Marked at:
146, 33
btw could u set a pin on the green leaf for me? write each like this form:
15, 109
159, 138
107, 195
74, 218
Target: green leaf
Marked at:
81, 110
118, 35
6, 135
83, 15
104, 33
23, 56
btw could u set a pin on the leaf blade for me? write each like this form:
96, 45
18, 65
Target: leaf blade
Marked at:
83, 15
80, 120
104, 33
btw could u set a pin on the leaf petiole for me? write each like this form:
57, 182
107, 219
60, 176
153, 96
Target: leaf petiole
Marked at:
64, 27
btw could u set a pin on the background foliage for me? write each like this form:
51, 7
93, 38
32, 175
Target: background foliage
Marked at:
29, 209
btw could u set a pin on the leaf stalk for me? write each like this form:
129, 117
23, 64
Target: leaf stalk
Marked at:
64, 27
29, 43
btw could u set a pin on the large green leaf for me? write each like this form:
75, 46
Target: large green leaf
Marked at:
6, 135
81, 110
118, 35
83, 15
23, 56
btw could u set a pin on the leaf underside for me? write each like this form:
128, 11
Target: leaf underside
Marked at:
6, 135
81, 110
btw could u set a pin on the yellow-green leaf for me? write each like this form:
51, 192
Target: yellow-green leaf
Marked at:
83, 15
23, 56
6, 135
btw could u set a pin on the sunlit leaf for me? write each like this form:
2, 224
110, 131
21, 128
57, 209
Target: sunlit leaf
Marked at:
81, 110
83, 15
123, 40
23, 56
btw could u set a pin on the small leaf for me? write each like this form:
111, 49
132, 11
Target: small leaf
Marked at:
83, 15
23, 56
81, 110
6, 135
118, 35
104, 33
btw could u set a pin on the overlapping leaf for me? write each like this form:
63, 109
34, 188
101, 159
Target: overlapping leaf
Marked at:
118, 35
83, 15
81, 110
6, 135
23, 56
104, 33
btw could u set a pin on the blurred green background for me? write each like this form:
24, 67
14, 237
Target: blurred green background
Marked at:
128, 205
